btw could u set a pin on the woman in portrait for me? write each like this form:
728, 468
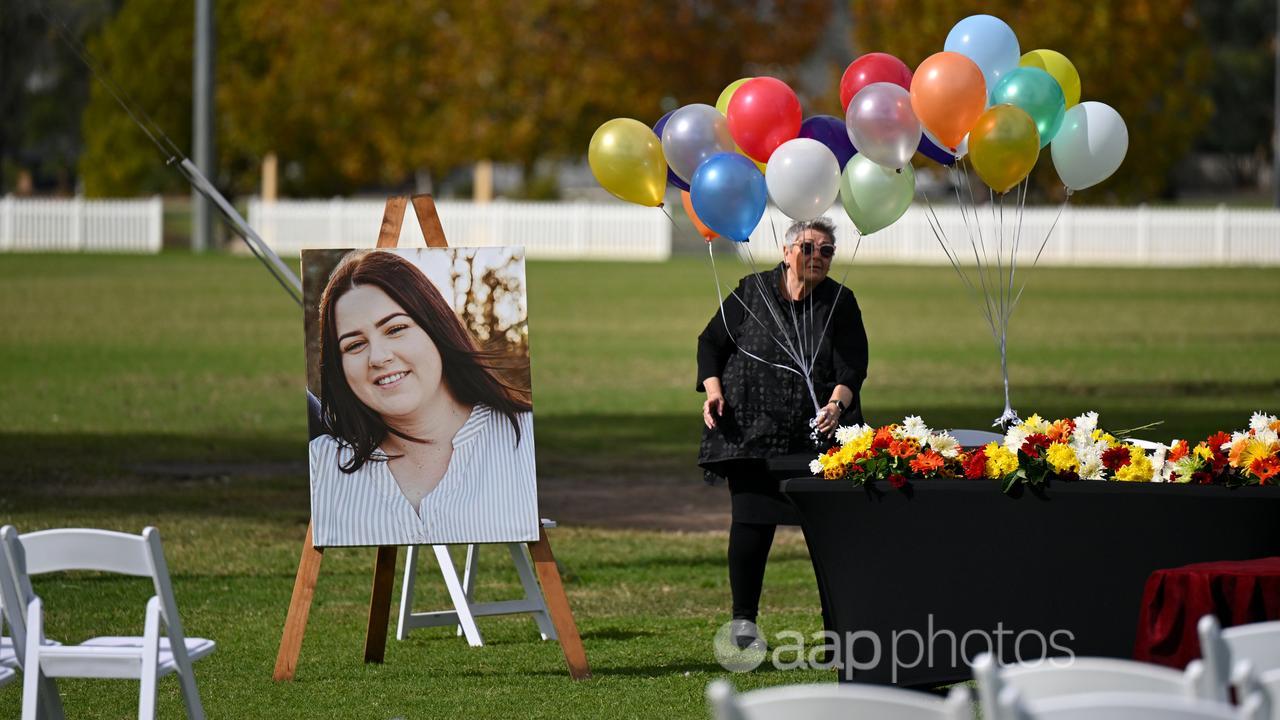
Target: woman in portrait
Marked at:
757, 407
425, 442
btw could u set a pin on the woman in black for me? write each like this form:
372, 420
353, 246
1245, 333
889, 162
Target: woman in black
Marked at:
759, 404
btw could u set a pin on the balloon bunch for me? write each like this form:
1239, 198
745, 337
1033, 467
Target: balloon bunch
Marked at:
979, 102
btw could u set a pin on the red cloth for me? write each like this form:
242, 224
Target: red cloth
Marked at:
1238, 592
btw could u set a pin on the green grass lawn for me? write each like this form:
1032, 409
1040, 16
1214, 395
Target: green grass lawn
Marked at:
119, 372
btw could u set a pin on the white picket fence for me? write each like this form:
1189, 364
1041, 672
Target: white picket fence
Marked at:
1132, 236
556, 231
80, 225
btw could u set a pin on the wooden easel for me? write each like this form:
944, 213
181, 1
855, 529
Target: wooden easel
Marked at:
375, 640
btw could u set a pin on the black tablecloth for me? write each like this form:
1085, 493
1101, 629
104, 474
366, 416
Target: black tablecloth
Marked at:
944, 558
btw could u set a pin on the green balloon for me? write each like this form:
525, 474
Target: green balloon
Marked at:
1038, 94
873, 195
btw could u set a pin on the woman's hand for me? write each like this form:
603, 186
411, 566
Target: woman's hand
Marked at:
712, 408
828, 418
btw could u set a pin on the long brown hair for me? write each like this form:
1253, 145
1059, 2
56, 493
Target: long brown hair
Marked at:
470, 373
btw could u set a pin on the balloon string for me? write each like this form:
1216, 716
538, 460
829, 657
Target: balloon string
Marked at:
800, 340
831, 313
806, 375
981, 264
725, 320
1043, 243
940, 234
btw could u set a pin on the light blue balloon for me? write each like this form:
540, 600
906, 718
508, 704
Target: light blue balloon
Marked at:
989, 42
729, 195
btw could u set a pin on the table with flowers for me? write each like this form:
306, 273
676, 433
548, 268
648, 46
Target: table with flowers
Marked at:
928, 553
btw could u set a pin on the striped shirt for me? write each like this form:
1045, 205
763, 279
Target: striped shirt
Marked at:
488, 494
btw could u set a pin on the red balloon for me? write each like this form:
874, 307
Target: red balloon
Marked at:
763, 114
872, 68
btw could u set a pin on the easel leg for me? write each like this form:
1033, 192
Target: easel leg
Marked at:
459, 597
375, 638
520, 558
469, 577
558, 604
295, 623
406, 591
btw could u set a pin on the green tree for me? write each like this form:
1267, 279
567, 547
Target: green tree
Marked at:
1146, 58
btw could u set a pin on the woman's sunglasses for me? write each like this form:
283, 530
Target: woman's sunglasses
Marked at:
826, 251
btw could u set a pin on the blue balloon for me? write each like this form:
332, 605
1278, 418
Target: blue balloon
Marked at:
672, 178
830, 131
989, 42
729, 195
929, 149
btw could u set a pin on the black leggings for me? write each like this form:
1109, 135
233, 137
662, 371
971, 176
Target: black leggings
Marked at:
749, 545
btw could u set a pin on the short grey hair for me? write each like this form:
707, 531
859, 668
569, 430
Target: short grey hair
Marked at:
820, 223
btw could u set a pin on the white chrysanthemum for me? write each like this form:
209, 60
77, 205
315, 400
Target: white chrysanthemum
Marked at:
944, 444
848, 433
1015, 437
815, 467
1159, 469
1091, 469
1085, 425
1235, 438
1259, 421
913, 427
1267, 435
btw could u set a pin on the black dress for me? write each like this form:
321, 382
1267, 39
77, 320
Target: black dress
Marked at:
768, 404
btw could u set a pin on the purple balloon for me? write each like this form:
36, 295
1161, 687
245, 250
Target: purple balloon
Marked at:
830, 131
672, 178
933, 152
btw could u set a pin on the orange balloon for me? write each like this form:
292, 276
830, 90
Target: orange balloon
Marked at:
707, 233
948, 94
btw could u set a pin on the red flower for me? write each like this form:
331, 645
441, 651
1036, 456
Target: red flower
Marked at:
927, 462
1115, 458
1177, 452
976, 466
1215, 443
883, 437
897, 481
1202, 478
1061, 430
1034, 444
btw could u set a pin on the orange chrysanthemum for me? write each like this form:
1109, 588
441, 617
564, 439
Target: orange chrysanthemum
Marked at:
1178, 451
927, 462
904, 448
883, 437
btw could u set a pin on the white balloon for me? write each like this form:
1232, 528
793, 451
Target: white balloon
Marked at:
1090, 145
803, 177
693, 134
882, 124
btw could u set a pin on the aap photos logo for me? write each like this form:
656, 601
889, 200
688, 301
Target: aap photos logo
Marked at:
739, 647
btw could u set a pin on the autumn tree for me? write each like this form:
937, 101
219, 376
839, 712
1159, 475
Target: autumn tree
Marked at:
1145, 58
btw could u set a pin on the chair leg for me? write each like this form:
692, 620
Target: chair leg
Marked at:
150, 662
460, 602
406, 592
520, 558
469, 576
190, 695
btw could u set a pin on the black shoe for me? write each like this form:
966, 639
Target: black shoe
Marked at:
745, 634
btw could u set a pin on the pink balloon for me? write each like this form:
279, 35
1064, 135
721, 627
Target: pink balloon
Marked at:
882, 124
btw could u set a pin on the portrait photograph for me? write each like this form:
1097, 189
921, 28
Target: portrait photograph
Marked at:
420, 402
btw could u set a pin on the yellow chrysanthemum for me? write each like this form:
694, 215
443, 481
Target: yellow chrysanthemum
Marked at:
1036, 424
1000, 461
861, 444
1062, 458
1100, 435
1139, 468
1244, 452
1203, 452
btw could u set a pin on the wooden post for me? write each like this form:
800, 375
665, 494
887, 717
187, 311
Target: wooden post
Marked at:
544, 562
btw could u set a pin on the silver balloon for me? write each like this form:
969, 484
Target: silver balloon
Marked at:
882, 124
803, 178
693, 134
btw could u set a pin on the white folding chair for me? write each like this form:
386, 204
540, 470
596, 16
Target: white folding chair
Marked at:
462, 594
162, 649
6, 676
1258, 643
835, 702
1123, 706
1078, 675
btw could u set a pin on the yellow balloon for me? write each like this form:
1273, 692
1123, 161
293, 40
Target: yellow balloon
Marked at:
1057, 65
722, 103
1004, 146
626, 158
